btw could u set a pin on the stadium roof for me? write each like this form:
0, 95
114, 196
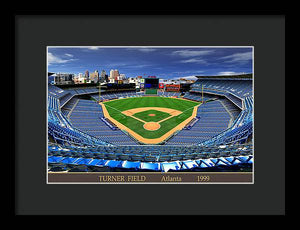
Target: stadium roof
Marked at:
240, 76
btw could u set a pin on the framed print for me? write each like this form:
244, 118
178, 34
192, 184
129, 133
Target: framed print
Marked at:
116, 125
149, 114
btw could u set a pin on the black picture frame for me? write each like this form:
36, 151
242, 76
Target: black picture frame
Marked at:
32, 33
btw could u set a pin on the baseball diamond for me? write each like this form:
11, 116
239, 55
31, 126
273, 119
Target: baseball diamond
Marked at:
150, 120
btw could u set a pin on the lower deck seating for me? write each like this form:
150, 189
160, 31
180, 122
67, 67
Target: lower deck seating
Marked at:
231, 108
87, 115
240, 131
213, 119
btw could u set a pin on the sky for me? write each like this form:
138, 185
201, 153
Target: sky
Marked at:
162, 62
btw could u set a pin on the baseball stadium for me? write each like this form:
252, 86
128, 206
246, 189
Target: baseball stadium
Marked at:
207, 126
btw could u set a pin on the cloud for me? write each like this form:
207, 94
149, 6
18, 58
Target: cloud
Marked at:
139, 66
126, 65
229, 73
190, 72
190, 78
194, 60
89, 48
143, 49
69, 55
52, 59
115, 65
93, 47
192, 53
238, 57
187, 78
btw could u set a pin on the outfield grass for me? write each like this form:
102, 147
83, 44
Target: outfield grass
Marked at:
115, 108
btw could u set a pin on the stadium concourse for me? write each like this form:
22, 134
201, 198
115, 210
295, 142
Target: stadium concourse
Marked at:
80, 138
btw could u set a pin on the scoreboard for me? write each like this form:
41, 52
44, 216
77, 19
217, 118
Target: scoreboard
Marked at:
151, 83
172, 88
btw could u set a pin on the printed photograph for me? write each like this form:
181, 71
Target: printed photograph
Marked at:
150, 114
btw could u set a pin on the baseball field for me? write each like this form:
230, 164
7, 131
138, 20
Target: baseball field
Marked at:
150, 120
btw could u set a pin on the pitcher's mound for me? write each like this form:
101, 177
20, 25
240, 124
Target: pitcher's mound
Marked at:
151, 126
151, 114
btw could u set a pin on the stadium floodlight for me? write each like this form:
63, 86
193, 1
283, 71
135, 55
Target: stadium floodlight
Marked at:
202, 93
99, 92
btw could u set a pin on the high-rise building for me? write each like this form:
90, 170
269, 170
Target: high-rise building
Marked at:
87, 75
94, 77
113, 74
63, 79
76, 79
102, 76
81, 78
106, 78
122, 76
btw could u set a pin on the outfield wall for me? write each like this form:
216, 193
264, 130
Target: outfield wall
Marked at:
151, 91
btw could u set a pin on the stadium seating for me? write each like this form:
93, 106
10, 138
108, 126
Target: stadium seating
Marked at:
239, 88
164, 158
86, 116
240, 131
62, 131
213, 119
115, 95
234, 90
81, 139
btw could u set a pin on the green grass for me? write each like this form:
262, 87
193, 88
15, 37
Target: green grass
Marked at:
145, 115
115, 108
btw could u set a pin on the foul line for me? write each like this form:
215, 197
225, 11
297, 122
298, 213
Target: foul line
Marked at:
116, 109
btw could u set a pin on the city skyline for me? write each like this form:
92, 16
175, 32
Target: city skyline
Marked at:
163, 62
